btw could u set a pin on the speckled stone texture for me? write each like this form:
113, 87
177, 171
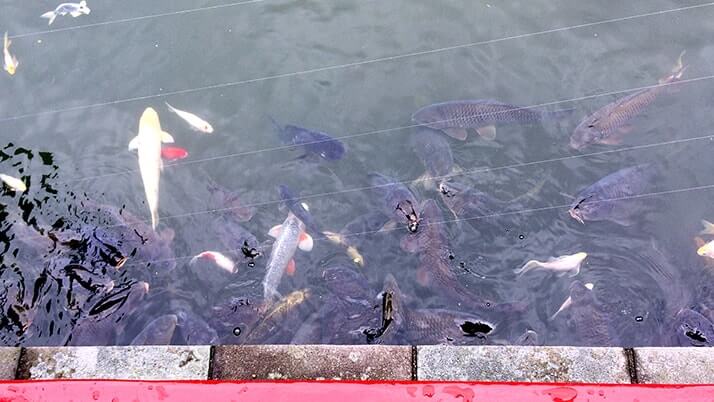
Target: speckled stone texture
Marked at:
675, 365
297, 362
137, 362
522, 363
8, 362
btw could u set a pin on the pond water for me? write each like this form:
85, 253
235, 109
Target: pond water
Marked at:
405, 259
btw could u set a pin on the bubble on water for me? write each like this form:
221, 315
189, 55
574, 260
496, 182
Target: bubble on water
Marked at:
521, 236
236, 331
639, 318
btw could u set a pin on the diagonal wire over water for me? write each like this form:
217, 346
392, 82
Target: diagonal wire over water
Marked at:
354, 64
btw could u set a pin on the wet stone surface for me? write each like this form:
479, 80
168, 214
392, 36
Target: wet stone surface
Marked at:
312, 362
146, 363
675, 365
521, 363
8, 362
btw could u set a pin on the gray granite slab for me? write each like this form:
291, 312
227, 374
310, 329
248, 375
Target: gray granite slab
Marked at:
116, 362
299, 362
675, 365
8, 362
522, 363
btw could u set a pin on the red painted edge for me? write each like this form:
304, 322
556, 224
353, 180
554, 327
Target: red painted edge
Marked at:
342, 391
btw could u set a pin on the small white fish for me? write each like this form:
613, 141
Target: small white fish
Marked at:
569, 301
566, 264
148, 144
10, 62
73, 9
707, 250
14, 183
708, 227
219, 259
194, 121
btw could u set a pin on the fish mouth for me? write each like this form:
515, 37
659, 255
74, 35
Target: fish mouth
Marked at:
575, 215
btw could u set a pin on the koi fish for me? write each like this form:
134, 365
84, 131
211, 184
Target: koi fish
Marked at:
14, 183
569, 264
10, 61
73, 9
173, 153
194, 121
288, 237
219, 259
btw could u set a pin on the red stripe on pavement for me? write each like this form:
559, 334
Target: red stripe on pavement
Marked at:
280, 391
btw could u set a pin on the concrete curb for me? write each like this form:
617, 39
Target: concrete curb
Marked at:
306, 362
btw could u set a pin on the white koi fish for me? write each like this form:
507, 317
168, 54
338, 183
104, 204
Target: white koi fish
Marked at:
707, 250
219, 259
14, 183
288, 237
148, 143
569, 301
73, 9
194, 121
566, 264
10, 62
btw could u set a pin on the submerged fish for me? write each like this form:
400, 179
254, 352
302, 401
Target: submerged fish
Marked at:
148, 144
468, 203
352, 236
288, 237
692, 329
194, 121
219, 259
435, 265
10, 62
279, 319
173, 153
569, 301
434, 152
195, 330
612, 197
73, 9
312, 142
589, 325
565, 264
611, 123
300, 210
706, 250
229, 203
396, 201
455, 118
100, 325
14, 183
157, 332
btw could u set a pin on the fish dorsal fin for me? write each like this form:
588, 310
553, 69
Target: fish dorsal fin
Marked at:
167, 138
275, 231
306, 242
487, 133
134, 143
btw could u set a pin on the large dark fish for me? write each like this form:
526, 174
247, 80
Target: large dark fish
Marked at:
242, 244
692, 329
292, 202
313, 142
455, 118
194, 330
587, 323
229, 202
611, 123
614, 197
396, 201
468, 203
347, 314
434, 152
100, 325
157, 332
435, 326
435, 260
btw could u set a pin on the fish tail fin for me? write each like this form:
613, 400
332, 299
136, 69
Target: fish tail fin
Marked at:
529, 266
6, 42
677, 71
708, 227
171, 108
154, 219
50, 15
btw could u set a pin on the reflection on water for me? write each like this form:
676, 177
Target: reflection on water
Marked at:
320, 211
